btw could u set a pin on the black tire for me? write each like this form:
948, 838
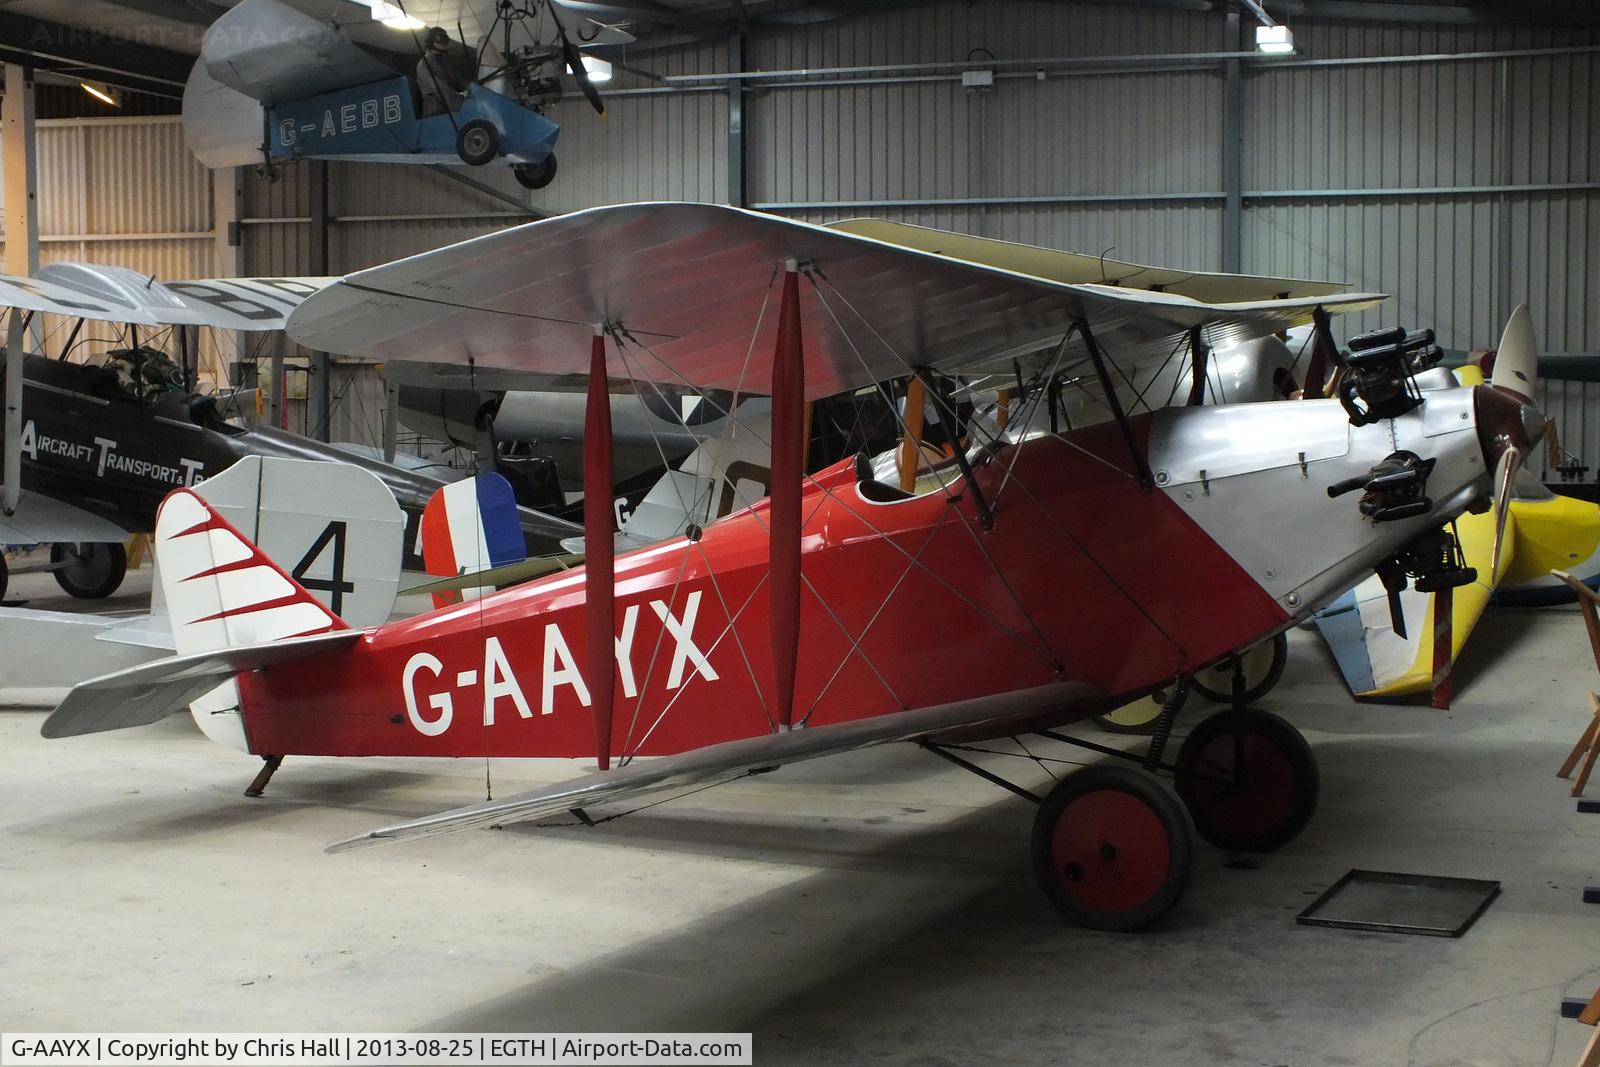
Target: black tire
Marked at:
1112, 848
93, 571
1266, 807
5, 575
536, 175
478, 142
1220, 675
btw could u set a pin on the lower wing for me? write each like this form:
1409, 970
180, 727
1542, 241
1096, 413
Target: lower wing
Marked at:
733, 759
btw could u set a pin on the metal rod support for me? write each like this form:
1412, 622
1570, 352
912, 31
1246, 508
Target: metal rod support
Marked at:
1198, 357
455, 175
986, 775
1141, 463
965, 64
946, 412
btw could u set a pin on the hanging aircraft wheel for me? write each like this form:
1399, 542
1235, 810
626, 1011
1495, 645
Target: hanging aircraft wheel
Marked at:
1263, 666
1112, 847
1249, 780
90, 570
536, 175
478, 142
1135, 717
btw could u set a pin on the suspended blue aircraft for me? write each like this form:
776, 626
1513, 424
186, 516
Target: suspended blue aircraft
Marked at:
275, 84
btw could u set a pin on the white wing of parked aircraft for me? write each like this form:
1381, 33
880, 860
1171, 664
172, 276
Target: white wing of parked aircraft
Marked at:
117, 294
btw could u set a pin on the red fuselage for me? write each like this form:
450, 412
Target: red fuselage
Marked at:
1084, 577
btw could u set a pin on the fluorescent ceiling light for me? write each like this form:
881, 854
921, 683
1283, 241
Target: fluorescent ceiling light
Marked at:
1274, 40
598, 69
102, 92
393, 15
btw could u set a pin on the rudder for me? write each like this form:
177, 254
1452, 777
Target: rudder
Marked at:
221, 590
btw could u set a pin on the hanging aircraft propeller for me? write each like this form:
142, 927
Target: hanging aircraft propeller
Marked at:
574, 58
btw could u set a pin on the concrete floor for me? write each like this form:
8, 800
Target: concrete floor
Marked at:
878, 907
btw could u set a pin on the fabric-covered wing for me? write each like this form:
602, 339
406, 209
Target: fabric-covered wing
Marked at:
117, 294
270, 52
690, 282
1075, 268
733, 759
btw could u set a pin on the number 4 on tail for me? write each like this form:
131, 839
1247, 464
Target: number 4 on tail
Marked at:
334, 585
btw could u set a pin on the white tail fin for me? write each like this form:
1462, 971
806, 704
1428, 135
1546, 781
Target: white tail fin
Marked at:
221, 590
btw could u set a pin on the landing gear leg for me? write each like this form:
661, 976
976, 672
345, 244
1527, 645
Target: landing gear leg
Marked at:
268, 768
1247, 776
1112, 846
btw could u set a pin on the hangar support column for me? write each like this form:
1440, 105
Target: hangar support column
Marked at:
1233, 148
736, 158
318, 395
19, 161
227, 208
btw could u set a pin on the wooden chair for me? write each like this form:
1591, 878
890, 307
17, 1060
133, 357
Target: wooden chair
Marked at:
1588, 746
1590, 1016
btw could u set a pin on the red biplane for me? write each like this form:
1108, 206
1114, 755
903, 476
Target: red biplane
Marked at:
1043, 574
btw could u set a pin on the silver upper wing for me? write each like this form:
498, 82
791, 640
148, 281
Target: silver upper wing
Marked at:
691, 282
734, 759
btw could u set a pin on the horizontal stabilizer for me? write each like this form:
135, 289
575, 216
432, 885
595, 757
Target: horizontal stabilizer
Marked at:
734, 759
150, 692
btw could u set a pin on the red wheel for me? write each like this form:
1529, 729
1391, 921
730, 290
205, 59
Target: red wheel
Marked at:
1256, 804
1112, 848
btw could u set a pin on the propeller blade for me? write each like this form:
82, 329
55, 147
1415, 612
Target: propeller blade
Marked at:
574, 60
1505, 473
1397, 613
580, 74
1516, 362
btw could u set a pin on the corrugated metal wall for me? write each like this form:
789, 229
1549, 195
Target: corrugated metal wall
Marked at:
1487, 143
860, 148
1459, 186
1130, 161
